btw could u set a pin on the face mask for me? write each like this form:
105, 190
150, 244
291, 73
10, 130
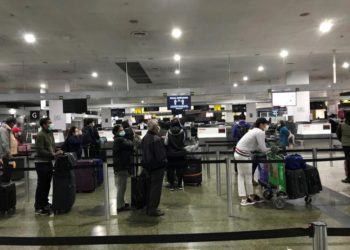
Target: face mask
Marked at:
50, 127
266, 128
122, 133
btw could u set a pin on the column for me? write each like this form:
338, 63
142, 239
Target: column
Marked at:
252, 114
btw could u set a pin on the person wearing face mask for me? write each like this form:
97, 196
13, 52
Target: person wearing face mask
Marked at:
46, 152
74, 142
122, 159
252, 141
91, 139
6, 152
154, 161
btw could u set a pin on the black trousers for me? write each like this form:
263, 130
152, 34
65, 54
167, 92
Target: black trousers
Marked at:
154, 183
346, 150
44, 172
7, 168
176, 167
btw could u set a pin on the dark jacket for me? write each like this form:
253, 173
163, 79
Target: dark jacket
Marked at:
91, 138
122, 154
343, 133
45, 146
129, 133
175, 141
74, 144
153, 152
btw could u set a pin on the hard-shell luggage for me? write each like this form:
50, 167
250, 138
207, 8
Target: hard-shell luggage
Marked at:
296, 183
193, 172
7, 198
63, 196
313, 180
85, 176
138, 191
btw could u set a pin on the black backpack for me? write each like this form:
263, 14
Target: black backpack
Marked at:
241, 131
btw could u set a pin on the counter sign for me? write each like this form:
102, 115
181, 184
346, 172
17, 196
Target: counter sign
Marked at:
34, 115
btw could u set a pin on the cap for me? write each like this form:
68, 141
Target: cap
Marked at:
261, 120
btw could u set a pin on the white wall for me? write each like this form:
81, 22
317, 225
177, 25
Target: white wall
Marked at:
301, 112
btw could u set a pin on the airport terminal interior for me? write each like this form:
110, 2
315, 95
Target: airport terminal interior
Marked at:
207, 79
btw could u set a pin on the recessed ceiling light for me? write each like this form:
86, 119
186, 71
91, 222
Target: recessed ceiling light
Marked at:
235, 85
110, 83
245, 78
43, 85
94, 74
345, 65
177, 57
142, 101
176, 33
177, 72
261, 68
284, 53
29, 38
326, 26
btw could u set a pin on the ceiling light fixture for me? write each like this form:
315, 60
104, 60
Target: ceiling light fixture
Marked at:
43, 86
235, 85
326, 26
94, 74
245, 78
176, 33
29, 38
177, 58
261, 68
345, 65
110, 83
12, 111
177, 72
142, 101
284, 53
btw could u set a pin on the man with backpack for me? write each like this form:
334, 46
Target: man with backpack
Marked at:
91, 139
240, 129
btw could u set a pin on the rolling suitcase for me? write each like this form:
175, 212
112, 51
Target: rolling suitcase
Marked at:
193, 172
63, 196
7, 198
138, 191
19, 174
85, 176
296, 183
313, 180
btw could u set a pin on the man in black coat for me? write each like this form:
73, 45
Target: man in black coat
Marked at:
154, 162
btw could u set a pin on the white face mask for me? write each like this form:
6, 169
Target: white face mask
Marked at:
266, 128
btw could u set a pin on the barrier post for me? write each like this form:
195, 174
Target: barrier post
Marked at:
331, 147
218, 174
314, 157
26, 179
106, 190
229, 187
207, 157
320, 236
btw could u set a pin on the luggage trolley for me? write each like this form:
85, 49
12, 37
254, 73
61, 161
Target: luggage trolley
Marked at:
272, 177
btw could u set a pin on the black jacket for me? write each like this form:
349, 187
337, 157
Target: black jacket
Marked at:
175, 142
74, 144
153, 152
91, 138
122, 154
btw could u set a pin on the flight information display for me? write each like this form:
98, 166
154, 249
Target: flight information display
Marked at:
179, 102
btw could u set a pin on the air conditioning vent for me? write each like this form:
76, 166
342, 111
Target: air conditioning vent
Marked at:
136, 72
139, 34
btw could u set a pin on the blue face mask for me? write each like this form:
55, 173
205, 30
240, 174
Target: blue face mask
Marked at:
122, 133
51, 127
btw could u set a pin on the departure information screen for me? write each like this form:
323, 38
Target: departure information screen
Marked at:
179, 102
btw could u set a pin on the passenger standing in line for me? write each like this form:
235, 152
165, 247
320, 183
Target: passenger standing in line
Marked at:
74, 142
252, 141
91, 139
46, 152
283, 135
343, 134
122, 160
154, 161
129, 132
5, 147
175, 146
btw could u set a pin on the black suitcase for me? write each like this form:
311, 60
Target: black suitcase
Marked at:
296, 183
138, 191
8, 198
313, 180
63, 196
193, 172
18, 174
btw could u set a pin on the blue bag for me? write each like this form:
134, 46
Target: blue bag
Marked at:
295, 162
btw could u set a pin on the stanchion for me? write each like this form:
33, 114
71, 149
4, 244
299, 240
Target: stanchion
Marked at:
26, 179
320, 236
218, 174
229, 187
314, 157
331, 147
207, 157
106, 190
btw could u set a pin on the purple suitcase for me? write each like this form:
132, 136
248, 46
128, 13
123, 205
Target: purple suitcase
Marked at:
85, 178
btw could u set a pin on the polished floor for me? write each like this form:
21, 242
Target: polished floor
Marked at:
194, 210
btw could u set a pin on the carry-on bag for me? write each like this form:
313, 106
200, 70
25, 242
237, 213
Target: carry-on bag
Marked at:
295, 162
296, 183
85, 176
313, 180
193, 172
19, 174
7, 198
138, 191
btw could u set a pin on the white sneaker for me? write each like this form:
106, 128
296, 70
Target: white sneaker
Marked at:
247, 202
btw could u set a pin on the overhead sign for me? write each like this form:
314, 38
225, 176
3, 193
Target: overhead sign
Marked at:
34, 115
179, 102
138, 110
217, 107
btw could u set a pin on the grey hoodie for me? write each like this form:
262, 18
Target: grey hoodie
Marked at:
5, 141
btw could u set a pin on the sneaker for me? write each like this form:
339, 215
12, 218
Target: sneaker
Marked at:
346, 180
256, 198
42, 212
247, 201
172, 188
180, 187
157, 213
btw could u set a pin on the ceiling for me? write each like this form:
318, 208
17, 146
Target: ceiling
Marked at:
222, 41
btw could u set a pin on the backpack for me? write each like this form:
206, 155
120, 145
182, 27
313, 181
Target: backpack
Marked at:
241, 131
295, 162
